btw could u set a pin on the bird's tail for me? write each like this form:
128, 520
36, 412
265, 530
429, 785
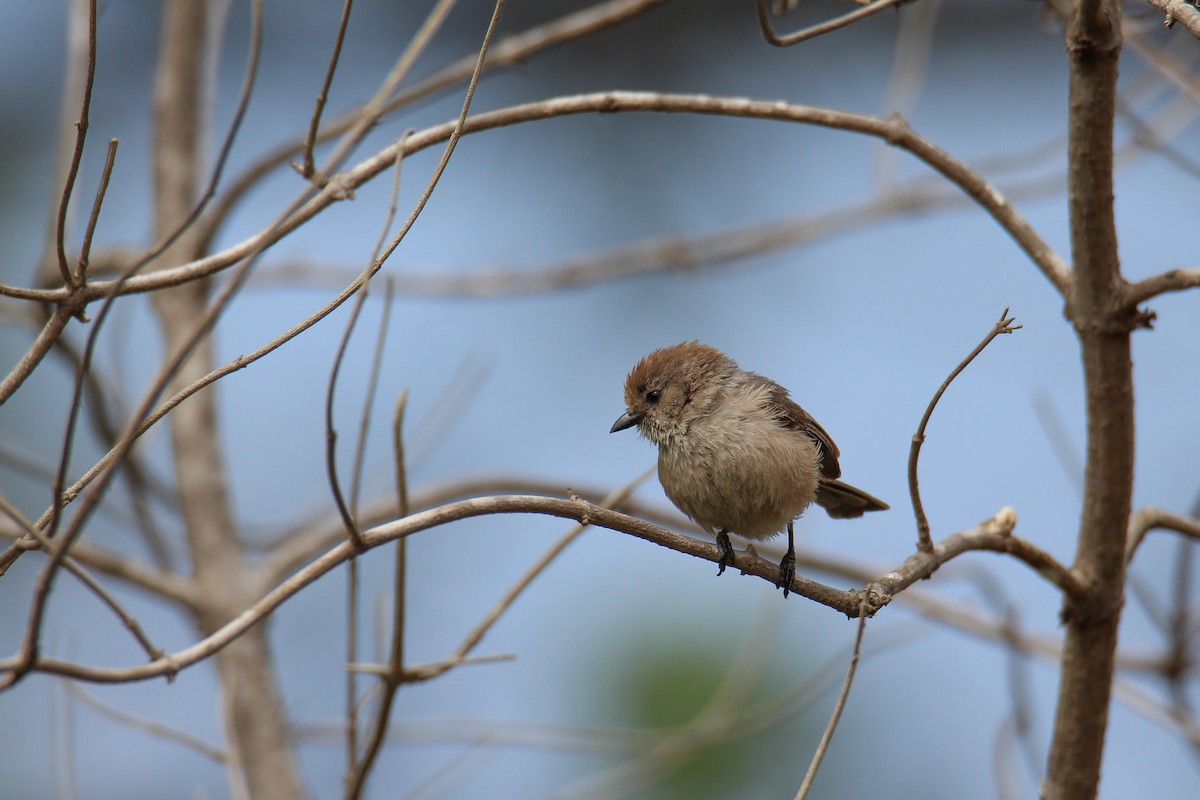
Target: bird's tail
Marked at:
843, 501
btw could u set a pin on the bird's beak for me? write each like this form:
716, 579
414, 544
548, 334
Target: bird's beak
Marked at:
626, 420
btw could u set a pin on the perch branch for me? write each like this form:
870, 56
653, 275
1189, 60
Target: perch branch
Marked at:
994, 534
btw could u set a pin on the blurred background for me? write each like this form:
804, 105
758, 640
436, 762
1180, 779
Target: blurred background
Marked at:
862, 319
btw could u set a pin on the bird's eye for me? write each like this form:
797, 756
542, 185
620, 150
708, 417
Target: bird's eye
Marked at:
653, 396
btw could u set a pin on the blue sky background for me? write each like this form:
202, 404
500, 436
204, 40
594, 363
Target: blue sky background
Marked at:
862, 327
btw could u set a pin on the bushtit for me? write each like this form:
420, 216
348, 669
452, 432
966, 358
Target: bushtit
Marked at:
735, 452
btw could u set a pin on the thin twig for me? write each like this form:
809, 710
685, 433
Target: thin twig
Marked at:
330, 431
472, 639
893, 130
43, 344
69, 278
1149, 519
838, 707
369, 113
45, 579
94, 217
1173, 280
1179, 639
1059, 439
306, 169
352, 604
364, 422
924, 540
512, 50
164, 585
155, 729
394, 674
143, 485
849, 18
119, 450
392, 682
87, 579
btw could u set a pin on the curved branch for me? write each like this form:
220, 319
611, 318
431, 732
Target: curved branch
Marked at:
1144, 520
42, 345
70, 279
512, 50
1175, 280
893, 130
163, 584
1179, 11
813, 31
993, 534
924, 540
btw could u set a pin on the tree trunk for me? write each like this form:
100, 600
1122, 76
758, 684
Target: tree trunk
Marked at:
1104, 326
261, 756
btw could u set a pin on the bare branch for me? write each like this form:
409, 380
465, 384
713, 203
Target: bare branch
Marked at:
335, 486
1175, 280
93, 585
94, 217
539, 566
1144, 520
306, 169
838, 707
1179, 11
993, 534
893, 130
849, 18
122, 566
152, 727
70, 279
114, 289
1103, 327
512, 50
394, 673
49, 334
924, 541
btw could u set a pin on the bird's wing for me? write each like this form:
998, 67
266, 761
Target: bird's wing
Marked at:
788, 414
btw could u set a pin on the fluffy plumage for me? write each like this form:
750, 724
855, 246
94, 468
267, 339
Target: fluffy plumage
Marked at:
735, 452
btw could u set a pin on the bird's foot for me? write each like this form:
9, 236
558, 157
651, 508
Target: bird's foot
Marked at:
787, 573
726, 551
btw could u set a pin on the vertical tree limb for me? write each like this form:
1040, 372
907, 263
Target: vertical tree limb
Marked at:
255, 724
1104, 327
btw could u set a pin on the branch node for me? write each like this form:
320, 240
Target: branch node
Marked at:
584, 518
173, 667
751, 555
869, 599
1005, 521
339, 187
897, 130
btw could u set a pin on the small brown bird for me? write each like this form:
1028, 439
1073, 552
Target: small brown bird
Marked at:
735, 452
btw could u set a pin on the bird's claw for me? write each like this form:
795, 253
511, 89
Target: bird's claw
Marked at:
726, 551
787, 573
